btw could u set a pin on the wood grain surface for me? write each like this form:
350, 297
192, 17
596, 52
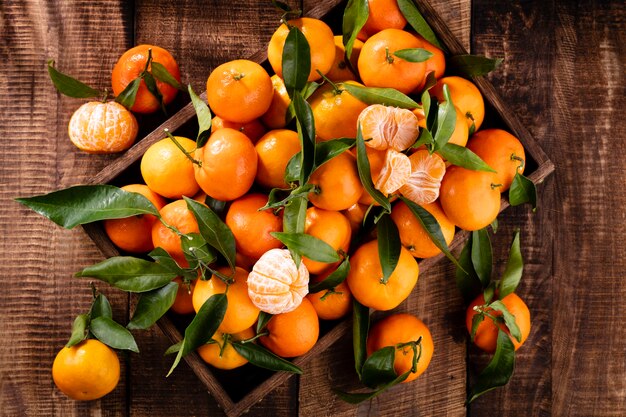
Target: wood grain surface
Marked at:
563, 76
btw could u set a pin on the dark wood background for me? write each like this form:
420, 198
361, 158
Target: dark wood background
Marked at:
564, 77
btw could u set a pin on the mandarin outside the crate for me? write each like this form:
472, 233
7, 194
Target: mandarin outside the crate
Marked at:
394, 174
226, 357
131, 64
502, 152
366, 278
330, 226
253, 129
379, 67
183, 303
399, 329
487, 333
413, 235
340, 70
175, 214
275, 284
86, 371
427, 171
294, 333
383, 14
97, 127
321, 43
274, 150
465, 96
252, 227
385, 127
240, 313
229, 164
134, 234
167, 170
331, 304
335, 111
338, 183
276, 116
470, 199
239, 91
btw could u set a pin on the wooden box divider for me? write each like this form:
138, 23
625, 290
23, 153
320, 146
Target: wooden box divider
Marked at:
544, 167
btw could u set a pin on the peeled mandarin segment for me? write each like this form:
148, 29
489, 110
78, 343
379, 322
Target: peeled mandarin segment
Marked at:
395, 173
275, 285
424, 183
406, 131
376, 126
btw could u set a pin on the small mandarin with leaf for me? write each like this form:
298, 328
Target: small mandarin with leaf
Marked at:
134, 234
130, 67
404, 332
331, 304
331, 227
337, 183
97, 127
275, 284
178, 215
86, 371
465, 96
486, 335
221, 354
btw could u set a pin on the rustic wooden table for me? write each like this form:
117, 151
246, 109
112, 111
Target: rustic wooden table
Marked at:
564, 77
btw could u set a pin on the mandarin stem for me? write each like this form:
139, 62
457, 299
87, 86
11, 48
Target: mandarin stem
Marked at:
252, 339
179, 146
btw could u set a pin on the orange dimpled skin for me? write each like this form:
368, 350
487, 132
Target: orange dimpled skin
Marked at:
383, 14
486, 336
402, 328
225, 357
293, 334
178, 215
252, 227
240, 313
502, 152
276, 115
129, 67
253, 129
239, 91
378, 66
366, 274
465, 96
274, 150
321, 42
335, 111
338, 183
229, 164
331, 304
470, 199
134, 234
330, 226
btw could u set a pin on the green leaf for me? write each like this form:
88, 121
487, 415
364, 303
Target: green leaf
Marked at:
354, 17
335, 278
309, 89
100, 308
509, 319
463, 157
202, 327
164, 259
389, 245
262, 321
284, 7
432, 228
204, 118
378, 367
426, 100
417, 21
523, 191
377, 95
414, 54
296, 61
218, 206
79, 330
424, 138
466, 279
309, 246
472, 65
127, 97
263, 358
363, 165
494, 225
83, 204
498, 371
161, 73
360, 330
292, 171
489, 292
214, 231
70, 86
446, 120
175, 348
113, 334
482, 258
129, 274
476, 320
306, 133
153, 88
152, 305
196, 250
294, 217
514, 269
327, 150
360, 397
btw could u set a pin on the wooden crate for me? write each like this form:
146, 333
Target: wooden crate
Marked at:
236, 391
